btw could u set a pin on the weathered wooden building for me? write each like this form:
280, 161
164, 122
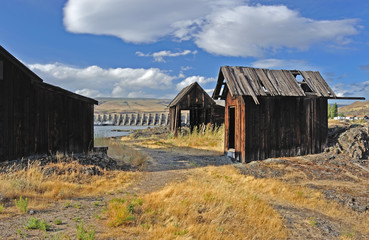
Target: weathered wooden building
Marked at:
202, 108
273, 113
38, 118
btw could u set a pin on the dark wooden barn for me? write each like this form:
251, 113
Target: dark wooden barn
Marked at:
273, 113
201, 106
38, 118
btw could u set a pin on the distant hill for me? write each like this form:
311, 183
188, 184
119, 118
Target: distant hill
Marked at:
356, 108
130, 105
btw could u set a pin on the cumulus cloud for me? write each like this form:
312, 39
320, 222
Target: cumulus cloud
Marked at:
136, 21
360, 89
290, 64
200, 79
89, 93
159, 56
94, 81
252, 30
229, 28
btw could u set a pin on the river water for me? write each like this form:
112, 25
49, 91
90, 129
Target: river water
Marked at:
115, 131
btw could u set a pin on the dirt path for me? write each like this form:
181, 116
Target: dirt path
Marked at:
165, 167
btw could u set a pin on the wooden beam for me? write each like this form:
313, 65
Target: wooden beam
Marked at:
348, 98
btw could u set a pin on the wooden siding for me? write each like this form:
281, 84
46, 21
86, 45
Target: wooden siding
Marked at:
277, 127
37, 118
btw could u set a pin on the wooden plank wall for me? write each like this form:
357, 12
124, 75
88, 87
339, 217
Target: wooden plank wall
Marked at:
36, 118
217, 115
279, 126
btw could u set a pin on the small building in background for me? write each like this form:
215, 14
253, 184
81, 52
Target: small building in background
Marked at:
273, 113
365, 117
199, 106
38, 118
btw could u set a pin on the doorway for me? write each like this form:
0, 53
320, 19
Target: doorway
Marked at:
232, 119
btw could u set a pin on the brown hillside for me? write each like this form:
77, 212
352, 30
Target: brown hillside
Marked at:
130, 105
356, 108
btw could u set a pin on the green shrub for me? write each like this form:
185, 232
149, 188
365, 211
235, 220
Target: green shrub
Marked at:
58, 222
84, 234
22, 204
35, 223
123, 211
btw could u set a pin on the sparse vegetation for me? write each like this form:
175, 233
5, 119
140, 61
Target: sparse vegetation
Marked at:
122, 211
83, 233
22, 204
1, 208
35, 223
58, 222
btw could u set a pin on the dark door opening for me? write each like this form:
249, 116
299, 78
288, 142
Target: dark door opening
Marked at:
231, 125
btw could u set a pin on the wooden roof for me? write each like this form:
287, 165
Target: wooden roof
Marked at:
185, 91
255, 82
37, 80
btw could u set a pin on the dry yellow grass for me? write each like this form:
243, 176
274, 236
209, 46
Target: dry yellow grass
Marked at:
220, 203
207, 206
207, 138
35, 184
63, 180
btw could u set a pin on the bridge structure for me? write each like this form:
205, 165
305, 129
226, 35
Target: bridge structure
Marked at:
137, 119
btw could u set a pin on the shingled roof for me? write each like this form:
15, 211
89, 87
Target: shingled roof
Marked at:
184, 92
255, 82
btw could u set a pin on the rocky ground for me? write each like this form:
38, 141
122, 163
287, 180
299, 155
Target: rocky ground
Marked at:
340, 173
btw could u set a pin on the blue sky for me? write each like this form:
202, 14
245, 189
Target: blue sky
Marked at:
145, 48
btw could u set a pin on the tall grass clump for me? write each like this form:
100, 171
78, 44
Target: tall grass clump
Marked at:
207, 137
61, 180
22, 204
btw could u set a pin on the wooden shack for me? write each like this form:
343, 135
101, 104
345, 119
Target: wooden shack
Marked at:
201, 106
273, 113
38, 118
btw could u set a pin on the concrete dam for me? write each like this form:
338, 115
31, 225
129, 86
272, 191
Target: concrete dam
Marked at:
136, 119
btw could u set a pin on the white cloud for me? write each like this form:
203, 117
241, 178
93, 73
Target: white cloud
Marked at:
253, 30
229, 28
89, 93
94, 81
199, 79
290, 64
159, 56
209, 91
136, 21
360, 89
